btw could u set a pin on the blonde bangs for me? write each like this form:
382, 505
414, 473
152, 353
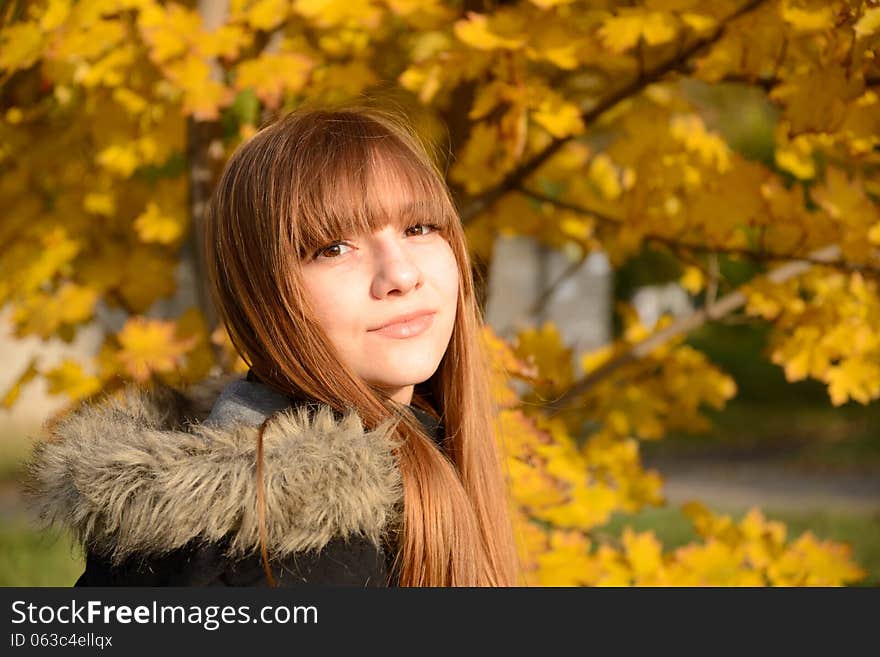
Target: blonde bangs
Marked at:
365, 184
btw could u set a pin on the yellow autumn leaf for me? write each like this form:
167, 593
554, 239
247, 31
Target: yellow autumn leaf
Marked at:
707, 524
91, 40
854, 378
544, 349
797, 159
331, 13
154, 225
810, 562
555, 43
132, 102
699, 23
869, 23
755, 525
588, 507
148, 346
20, 45
843, 197
68, 378
56, 251
148, 274
549, 4
167, 29
202, 94
273, 75
622, 32
532, 488
613, 566
692, 279
502, 31
413, 9
200, 358
44, 314
559, 117
100, 203
606, 176
480, 164
714, 563
808, 19
267, 14
690, 130
55, 13
645, 555
226, 41
110, 70
567, 562
121, 159
815, 99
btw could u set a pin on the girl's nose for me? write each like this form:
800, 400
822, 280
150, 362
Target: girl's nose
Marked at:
396, 271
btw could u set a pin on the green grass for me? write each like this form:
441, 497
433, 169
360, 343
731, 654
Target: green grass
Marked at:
29, 557
14, 450
860, 530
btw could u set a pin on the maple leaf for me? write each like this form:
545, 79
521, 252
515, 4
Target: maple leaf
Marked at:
151, 345
622, 32
501, 31
869, 23
273, 75
69, 378
567, 562
153, 225
20, 45
645, 555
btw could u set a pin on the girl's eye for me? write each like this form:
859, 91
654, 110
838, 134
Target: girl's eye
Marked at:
331, 250
430, 227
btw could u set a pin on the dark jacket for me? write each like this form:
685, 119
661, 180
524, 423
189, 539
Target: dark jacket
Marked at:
160, 488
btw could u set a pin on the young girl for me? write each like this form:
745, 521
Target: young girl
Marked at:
359, 450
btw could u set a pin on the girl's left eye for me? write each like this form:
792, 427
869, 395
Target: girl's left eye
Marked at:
323, 252
430, 227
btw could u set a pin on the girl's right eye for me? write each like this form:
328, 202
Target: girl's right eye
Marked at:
328, 251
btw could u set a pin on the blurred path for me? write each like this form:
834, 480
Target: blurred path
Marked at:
740, 484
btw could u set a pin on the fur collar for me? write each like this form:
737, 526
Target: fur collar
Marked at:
145, 473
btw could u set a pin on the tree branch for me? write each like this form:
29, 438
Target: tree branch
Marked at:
722, 307
515, 178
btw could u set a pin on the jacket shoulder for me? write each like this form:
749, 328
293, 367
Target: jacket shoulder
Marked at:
146, 482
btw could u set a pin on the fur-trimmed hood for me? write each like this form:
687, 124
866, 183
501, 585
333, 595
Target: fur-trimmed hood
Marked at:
152, 470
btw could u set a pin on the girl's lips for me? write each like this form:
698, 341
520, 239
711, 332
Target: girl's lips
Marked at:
408, 329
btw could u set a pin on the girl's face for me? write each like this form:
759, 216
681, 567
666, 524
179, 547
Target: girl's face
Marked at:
363, 286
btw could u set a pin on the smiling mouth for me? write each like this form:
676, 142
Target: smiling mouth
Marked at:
408, 329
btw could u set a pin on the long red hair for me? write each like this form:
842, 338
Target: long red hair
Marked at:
308, 179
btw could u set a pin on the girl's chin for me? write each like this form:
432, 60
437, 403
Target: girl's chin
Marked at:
394, 380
